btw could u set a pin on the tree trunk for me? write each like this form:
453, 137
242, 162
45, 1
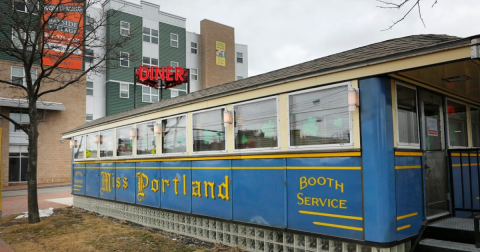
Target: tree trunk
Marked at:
33, 215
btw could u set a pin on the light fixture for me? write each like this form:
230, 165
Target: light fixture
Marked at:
133, 133
73, 143
352, 99
96, 139
157, 128
456, 78
227, 118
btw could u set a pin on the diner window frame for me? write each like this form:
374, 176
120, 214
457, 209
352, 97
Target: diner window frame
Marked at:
471, 128
349, 145
83, 147
402, 144
115, 141
154, 134
225, 128
267, 149
93, 134
187, 136
114, 150
467, 113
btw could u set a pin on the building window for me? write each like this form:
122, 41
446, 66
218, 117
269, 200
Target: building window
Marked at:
407, 118
319, 117
78, 150
177, 92
18, 76
124, 59
26, 5
194, 74
146, 140
457, 124
89, 117
193, 47
18, 163
208, 131
150, 35
124, 90
19, 116
91, 148
239, 57
124, 143
173, 64
89, 54
256, 124
124, 28
89, 88
106, 143
174, 135
475, 118
149, 94
89, 24
21, 35
239, 77
173, 40
150, 61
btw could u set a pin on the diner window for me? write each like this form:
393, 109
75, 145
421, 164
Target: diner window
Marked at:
78, 150
174, 135
149, 94
146, 140
106, 143
475, 118
256, 124
239, 57
194, 74
124, 28
124, 143
319, 117
193, 47
173, 40
89, 88
150, 35
147, 61
457, 124
18, 76
124, 59
208, 131
90, 146
407, 119
124, 90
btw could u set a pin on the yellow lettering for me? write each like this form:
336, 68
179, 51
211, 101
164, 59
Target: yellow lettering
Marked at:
313, 183
125, 183
175, 182
184, 184
333, 200
299, 196
324, 181
307, 201
154, 185
330, 181
314, 201
338, 185
212, 189
303, 182
196, 189
226, 186
165, 181
118, 182
342, 204
142, 184
322, 202
106, 182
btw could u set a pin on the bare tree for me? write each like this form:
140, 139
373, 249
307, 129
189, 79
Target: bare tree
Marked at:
411, 5
50, 36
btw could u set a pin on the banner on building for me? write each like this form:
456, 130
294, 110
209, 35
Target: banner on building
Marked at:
63, 33
220, 57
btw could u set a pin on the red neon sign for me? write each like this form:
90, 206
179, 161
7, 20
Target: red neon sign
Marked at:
172, 76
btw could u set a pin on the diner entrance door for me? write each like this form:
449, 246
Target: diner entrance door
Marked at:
435, 161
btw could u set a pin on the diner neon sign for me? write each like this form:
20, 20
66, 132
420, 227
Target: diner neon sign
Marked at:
171, 76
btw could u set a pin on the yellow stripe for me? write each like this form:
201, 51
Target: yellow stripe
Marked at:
407, 215
458, 165
338, 226
332, 215
166, 159
77, 186
410, 154
325, 168
211, 168
403, 227
176, 167
125, 167
76, 189
259, 168
408, 167
146, 168
463, 154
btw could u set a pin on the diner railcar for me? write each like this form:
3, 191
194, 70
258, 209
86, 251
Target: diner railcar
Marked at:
357, 151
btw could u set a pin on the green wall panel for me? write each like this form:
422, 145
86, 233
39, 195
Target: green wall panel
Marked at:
168, 53
115, 104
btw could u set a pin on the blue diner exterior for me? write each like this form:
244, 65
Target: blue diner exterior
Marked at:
356, 151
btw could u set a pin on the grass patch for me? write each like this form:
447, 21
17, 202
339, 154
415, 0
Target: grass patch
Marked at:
73, 229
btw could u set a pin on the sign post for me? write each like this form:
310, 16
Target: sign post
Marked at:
135, 87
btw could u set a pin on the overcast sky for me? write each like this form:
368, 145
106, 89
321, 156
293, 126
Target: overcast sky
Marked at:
281, 33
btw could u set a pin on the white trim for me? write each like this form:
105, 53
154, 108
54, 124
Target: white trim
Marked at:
20, 103
156, 140
467, 110
400, 144
278, 125
174, 40
120, 90
187, 132
225, 133
196, 47
171, 63
150, 94
321, 146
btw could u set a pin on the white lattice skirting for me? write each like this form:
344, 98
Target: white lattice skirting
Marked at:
233, 234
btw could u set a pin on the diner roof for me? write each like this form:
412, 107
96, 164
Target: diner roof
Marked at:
389, 50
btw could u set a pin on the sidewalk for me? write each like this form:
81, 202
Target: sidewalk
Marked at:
21, 187
4, 246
